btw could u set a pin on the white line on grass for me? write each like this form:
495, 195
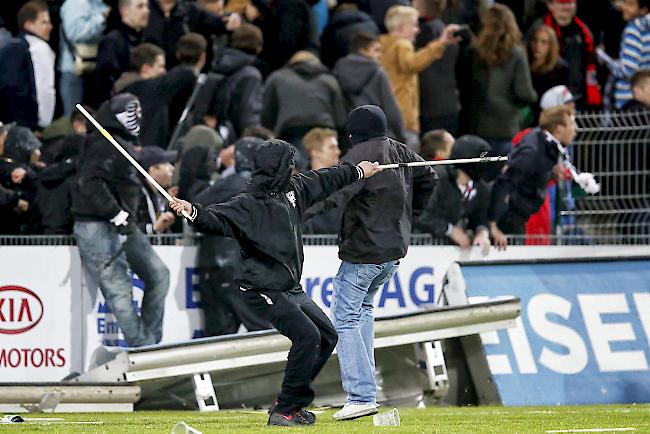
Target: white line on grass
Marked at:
591, 430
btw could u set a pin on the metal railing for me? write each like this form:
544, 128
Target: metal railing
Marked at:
614, 147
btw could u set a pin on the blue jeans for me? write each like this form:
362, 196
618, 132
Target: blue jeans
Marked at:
355, 287
98, 242
71, 88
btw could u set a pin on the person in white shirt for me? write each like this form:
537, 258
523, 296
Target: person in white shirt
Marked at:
34, 20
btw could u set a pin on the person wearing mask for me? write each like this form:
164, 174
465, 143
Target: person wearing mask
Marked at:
374, 236
104, 206
266, 220
156, 88
219, 262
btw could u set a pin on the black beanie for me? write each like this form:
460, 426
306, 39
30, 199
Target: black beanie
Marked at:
469, 146
366, 122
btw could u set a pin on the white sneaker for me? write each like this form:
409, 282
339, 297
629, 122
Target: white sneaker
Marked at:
353, 411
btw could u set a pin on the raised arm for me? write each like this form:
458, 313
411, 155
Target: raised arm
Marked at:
318, 185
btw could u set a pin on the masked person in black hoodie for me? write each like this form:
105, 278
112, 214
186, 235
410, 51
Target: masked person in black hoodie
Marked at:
218, 257
374, 237
104, 206
266, 221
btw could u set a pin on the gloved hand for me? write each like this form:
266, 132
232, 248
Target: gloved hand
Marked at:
587, 182
122, 224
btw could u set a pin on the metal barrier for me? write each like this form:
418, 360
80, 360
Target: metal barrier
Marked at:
612, 238
187, 240
614, 147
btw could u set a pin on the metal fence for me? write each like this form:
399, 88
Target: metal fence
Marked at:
614, 147
184, 240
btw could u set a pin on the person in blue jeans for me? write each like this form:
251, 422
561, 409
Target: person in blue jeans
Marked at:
374, 236
104, 206
266, 221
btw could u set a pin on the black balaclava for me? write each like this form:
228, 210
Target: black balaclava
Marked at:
273, 166
469, 146
245, 151
366, 122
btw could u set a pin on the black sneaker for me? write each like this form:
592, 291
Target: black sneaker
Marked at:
308, 417
280, 419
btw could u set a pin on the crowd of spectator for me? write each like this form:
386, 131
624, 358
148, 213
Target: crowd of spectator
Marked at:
208, 73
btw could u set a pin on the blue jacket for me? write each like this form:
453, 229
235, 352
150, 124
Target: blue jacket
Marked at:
82, 21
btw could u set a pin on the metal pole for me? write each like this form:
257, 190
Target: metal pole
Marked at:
200, 80
443, 162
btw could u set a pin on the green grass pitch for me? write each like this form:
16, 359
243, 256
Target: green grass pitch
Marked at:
607, 418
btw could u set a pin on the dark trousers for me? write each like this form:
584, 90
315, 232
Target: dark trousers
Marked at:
223, 307
312, 336
513, 223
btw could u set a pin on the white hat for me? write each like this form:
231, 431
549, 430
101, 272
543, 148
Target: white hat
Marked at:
556, 96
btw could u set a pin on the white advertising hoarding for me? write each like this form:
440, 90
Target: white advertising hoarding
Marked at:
38, 313
75, 324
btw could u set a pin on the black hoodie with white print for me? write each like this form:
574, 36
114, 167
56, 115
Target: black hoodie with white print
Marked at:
266, 218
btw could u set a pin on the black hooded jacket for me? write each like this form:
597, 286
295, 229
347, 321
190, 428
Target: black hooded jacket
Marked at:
266, 218
244, 83
378, 211
284, 99
221, 252
106, 182
363, 81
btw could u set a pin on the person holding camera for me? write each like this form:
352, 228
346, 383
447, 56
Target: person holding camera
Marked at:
403, 63
104, 206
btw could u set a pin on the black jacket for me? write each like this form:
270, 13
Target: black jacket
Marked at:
447, 206
285, 108
378, 211
521, 188
215, 251
185, 17
18, 101
106, 182
266, 219
244, 88
363, 81
288, 26
438, 88
341, 26
155, 95
113, 59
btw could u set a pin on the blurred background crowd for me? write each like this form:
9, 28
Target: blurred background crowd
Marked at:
214, 76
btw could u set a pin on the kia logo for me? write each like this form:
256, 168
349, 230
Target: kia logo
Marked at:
20, 309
